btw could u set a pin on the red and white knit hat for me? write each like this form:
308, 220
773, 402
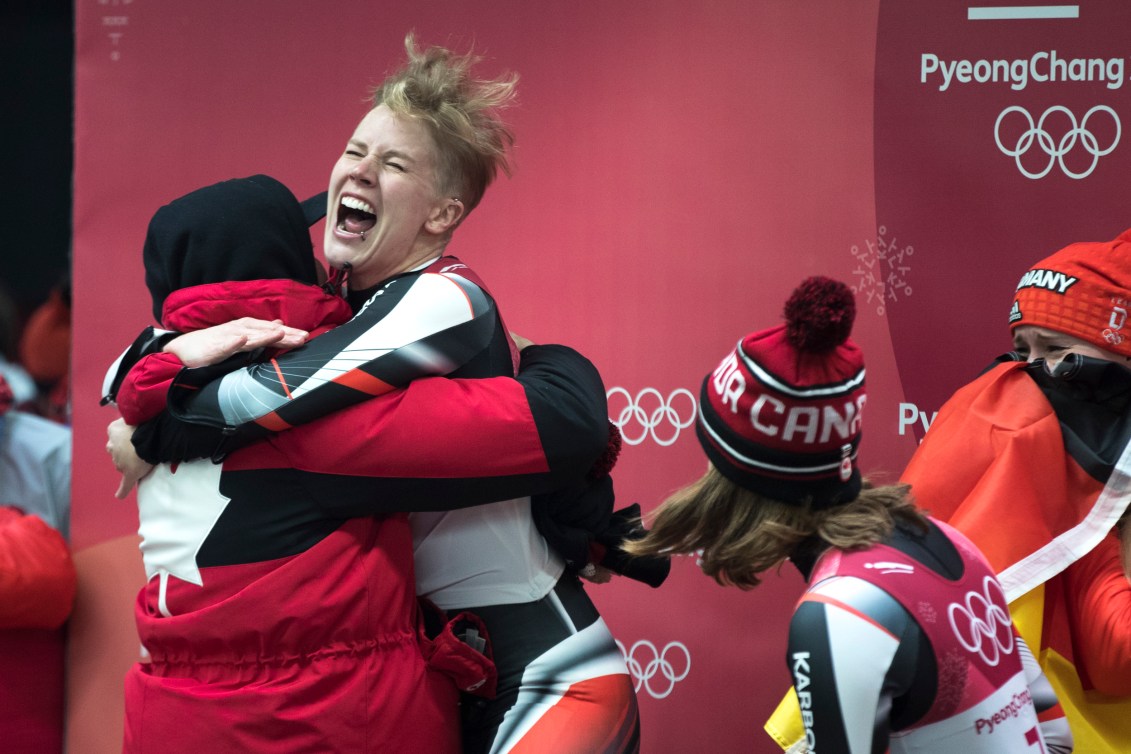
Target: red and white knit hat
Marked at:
1083, 290
781, 414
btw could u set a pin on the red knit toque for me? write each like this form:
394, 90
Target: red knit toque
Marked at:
781, 414
1082, 290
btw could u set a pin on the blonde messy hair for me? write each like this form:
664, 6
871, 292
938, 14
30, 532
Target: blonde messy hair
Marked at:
742, 534
436, 87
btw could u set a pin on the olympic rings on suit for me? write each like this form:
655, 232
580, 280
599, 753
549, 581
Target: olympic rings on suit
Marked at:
653, 662
985, 627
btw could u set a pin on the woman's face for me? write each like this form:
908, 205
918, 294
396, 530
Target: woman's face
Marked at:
1040, 343
384, 214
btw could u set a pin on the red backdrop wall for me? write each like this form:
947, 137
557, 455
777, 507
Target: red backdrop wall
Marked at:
680, 167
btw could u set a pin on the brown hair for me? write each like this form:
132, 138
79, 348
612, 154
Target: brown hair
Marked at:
436, 87
741, 534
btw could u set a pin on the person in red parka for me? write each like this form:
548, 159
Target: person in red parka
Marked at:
37, 578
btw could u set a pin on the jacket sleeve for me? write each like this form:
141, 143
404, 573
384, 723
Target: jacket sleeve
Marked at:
150, 341
37, 576
143, 391
1100, 615
438, 443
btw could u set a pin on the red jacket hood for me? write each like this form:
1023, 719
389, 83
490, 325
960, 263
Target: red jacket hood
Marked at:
299, 305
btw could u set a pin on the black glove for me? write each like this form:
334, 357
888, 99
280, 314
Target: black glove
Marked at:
570, 519
579, 523
625, 524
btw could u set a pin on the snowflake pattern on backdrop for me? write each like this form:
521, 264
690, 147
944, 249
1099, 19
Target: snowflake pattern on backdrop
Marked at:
881, 271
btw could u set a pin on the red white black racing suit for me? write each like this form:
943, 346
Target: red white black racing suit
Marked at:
909, 645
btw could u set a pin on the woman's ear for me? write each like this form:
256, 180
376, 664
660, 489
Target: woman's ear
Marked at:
445, 216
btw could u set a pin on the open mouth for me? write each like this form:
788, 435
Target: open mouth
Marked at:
355, 215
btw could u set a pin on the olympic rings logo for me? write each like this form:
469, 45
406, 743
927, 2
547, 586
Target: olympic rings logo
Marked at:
653, 662
649, 413
986, 627
1056, 150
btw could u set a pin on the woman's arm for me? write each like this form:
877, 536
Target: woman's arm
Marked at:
417, 325
855, 661
427, 314
439, 443
139, 381
1099, 597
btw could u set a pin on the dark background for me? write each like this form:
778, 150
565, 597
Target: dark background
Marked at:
37, 49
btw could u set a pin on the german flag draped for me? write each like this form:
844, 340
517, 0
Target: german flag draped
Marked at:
1036, 471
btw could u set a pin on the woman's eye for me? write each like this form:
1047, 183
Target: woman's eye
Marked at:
353, 153
395, 166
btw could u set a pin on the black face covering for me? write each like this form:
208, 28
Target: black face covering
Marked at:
1086, 378
1092, 400
242, 229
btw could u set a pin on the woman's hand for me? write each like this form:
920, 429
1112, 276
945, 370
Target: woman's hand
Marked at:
120, 446
596, 574
520, 341
214, 344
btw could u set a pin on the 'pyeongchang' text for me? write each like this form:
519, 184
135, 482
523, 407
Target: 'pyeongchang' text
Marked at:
1041, 67
1013, 709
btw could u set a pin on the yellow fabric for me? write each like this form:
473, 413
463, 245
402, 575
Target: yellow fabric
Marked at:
1101, 724
1028, 613
784, 725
